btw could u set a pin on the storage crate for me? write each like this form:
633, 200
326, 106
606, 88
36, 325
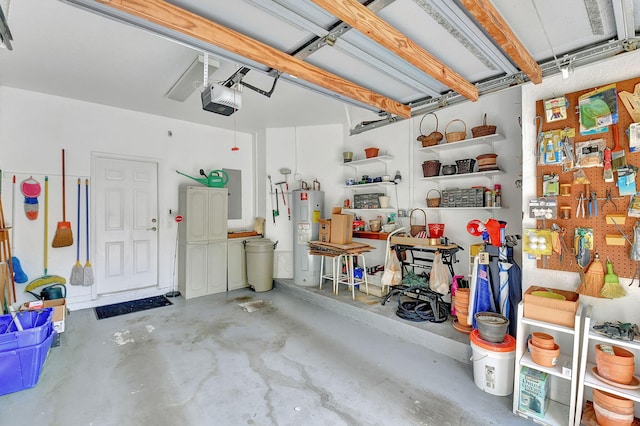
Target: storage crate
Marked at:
555, 311
37, 327
20, 368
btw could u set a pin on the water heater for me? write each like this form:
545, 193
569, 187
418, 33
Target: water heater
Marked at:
307, 211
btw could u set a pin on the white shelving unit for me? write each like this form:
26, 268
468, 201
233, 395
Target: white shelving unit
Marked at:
566, 368
369, 163
465, 175
364, 161
466, 143
588, 379
369, 185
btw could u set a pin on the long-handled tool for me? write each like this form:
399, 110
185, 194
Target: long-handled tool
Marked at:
284, 197
63, 236
19, 275
274, 213
277, 212
286, 172
77, 271
87, 275
46, 278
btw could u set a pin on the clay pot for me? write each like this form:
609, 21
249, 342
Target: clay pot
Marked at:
462, 313
371, 152
462, 294
544, 357
612, 410
618, 368
543, 340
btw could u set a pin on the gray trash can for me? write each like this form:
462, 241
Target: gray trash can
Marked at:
259, 256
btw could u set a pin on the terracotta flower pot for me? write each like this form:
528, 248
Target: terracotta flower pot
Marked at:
618, 368
543, 340
609, 414
462, 315
544, 357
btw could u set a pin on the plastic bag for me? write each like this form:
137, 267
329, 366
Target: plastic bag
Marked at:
439, 277
392, 270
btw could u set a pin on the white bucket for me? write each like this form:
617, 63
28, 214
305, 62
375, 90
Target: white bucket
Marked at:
493, 364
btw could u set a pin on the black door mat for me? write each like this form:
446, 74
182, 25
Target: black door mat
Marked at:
131, 306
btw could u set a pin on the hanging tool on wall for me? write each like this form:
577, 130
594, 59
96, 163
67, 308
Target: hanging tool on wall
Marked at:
284, 197
607, 174
286, 172
593, 204
274, 213
618, 155
277, 210
580, 207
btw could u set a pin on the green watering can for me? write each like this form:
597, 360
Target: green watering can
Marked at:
215, 178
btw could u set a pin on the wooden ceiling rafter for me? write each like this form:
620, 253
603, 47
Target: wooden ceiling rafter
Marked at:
368, 23
488, 16
176, 19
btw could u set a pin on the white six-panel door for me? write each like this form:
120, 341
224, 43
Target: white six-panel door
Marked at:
126, 216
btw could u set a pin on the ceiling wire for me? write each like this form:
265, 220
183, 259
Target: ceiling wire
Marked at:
546, 36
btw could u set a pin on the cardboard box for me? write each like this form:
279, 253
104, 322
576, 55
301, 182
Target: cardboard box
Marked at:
534, 392
555, 311
341, 228
59, 312
324, 230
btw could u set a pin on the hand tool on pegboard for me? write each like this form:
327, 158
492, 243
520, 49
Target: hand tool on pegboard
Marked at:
593, 204
580, 207
609, 199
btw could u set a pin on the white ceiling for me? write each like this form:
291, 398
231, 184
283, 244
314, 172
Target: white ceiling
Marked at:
63, 50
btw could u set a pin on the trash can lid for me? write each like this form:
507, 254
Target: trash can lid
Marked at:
508, 345
259, 244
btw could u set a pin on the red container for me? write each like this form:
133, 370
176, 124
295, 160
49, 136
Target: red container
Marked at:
436, 230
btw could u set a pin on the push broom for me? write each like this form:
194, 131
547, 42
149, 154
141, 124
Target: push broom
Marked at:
64, 235
45, 279
87, 277
77, 271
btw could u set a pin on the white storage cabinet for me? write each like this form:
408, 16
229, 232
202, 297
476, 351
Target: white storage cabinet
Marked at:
202, 261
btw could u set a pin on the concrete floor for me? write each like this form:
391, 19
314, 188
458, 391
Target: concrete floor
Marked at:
209, 361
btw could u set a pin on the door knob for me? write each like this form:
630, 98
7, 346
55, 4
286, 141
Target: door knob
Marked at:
152, 229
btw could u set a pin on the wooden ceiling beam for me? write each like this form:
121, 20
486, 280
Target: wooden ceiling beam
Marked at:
367, 22
486, 14
174, 18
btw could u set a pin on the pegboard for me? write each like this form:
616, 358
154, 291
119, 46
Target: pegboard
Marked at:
619, 254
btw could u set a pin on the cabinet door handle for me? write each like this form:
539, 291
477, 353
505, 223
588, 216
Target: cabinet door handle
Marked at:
152, 229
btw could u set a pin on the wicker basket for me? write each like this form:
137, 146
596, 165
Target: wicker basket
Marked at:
483, 130
431, 168
432, 138
416, 229
433, 201
466, 165
455, 136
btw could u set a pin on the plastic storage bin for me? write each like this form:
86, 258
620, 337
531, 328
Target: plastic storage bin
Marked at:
259, 254
20, 368
37, 327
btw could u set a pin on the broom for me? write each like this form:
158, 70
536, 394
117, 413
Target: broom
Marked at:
64, 235
87, 279
77, 271
45, 279
612, 288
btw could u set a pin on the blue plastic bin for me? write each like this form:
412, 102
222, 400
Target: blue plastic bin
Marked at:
20, 368
37, 327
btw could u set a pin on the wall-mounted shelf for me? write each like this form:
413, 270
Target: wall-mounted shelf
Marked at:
462, 208
369, 185
364, 161
467, 143
386, 209
465, 175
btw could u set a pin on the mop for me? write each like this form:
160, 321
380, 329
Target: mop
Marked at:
87, 278
45, 279
77, 271
612, 288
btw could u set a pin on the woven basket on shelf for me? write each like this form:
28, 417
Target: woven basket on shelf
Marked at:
432, 138
416, 229
431, 168
433, 201
483, 130
455, 136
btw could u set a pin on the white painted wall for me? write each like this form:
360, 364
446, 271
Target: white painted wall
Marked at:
34, 127
316, 152
618, 68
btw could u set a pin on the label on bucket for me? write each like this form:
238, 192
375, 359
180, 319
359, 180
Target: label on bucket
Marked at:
490, 376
